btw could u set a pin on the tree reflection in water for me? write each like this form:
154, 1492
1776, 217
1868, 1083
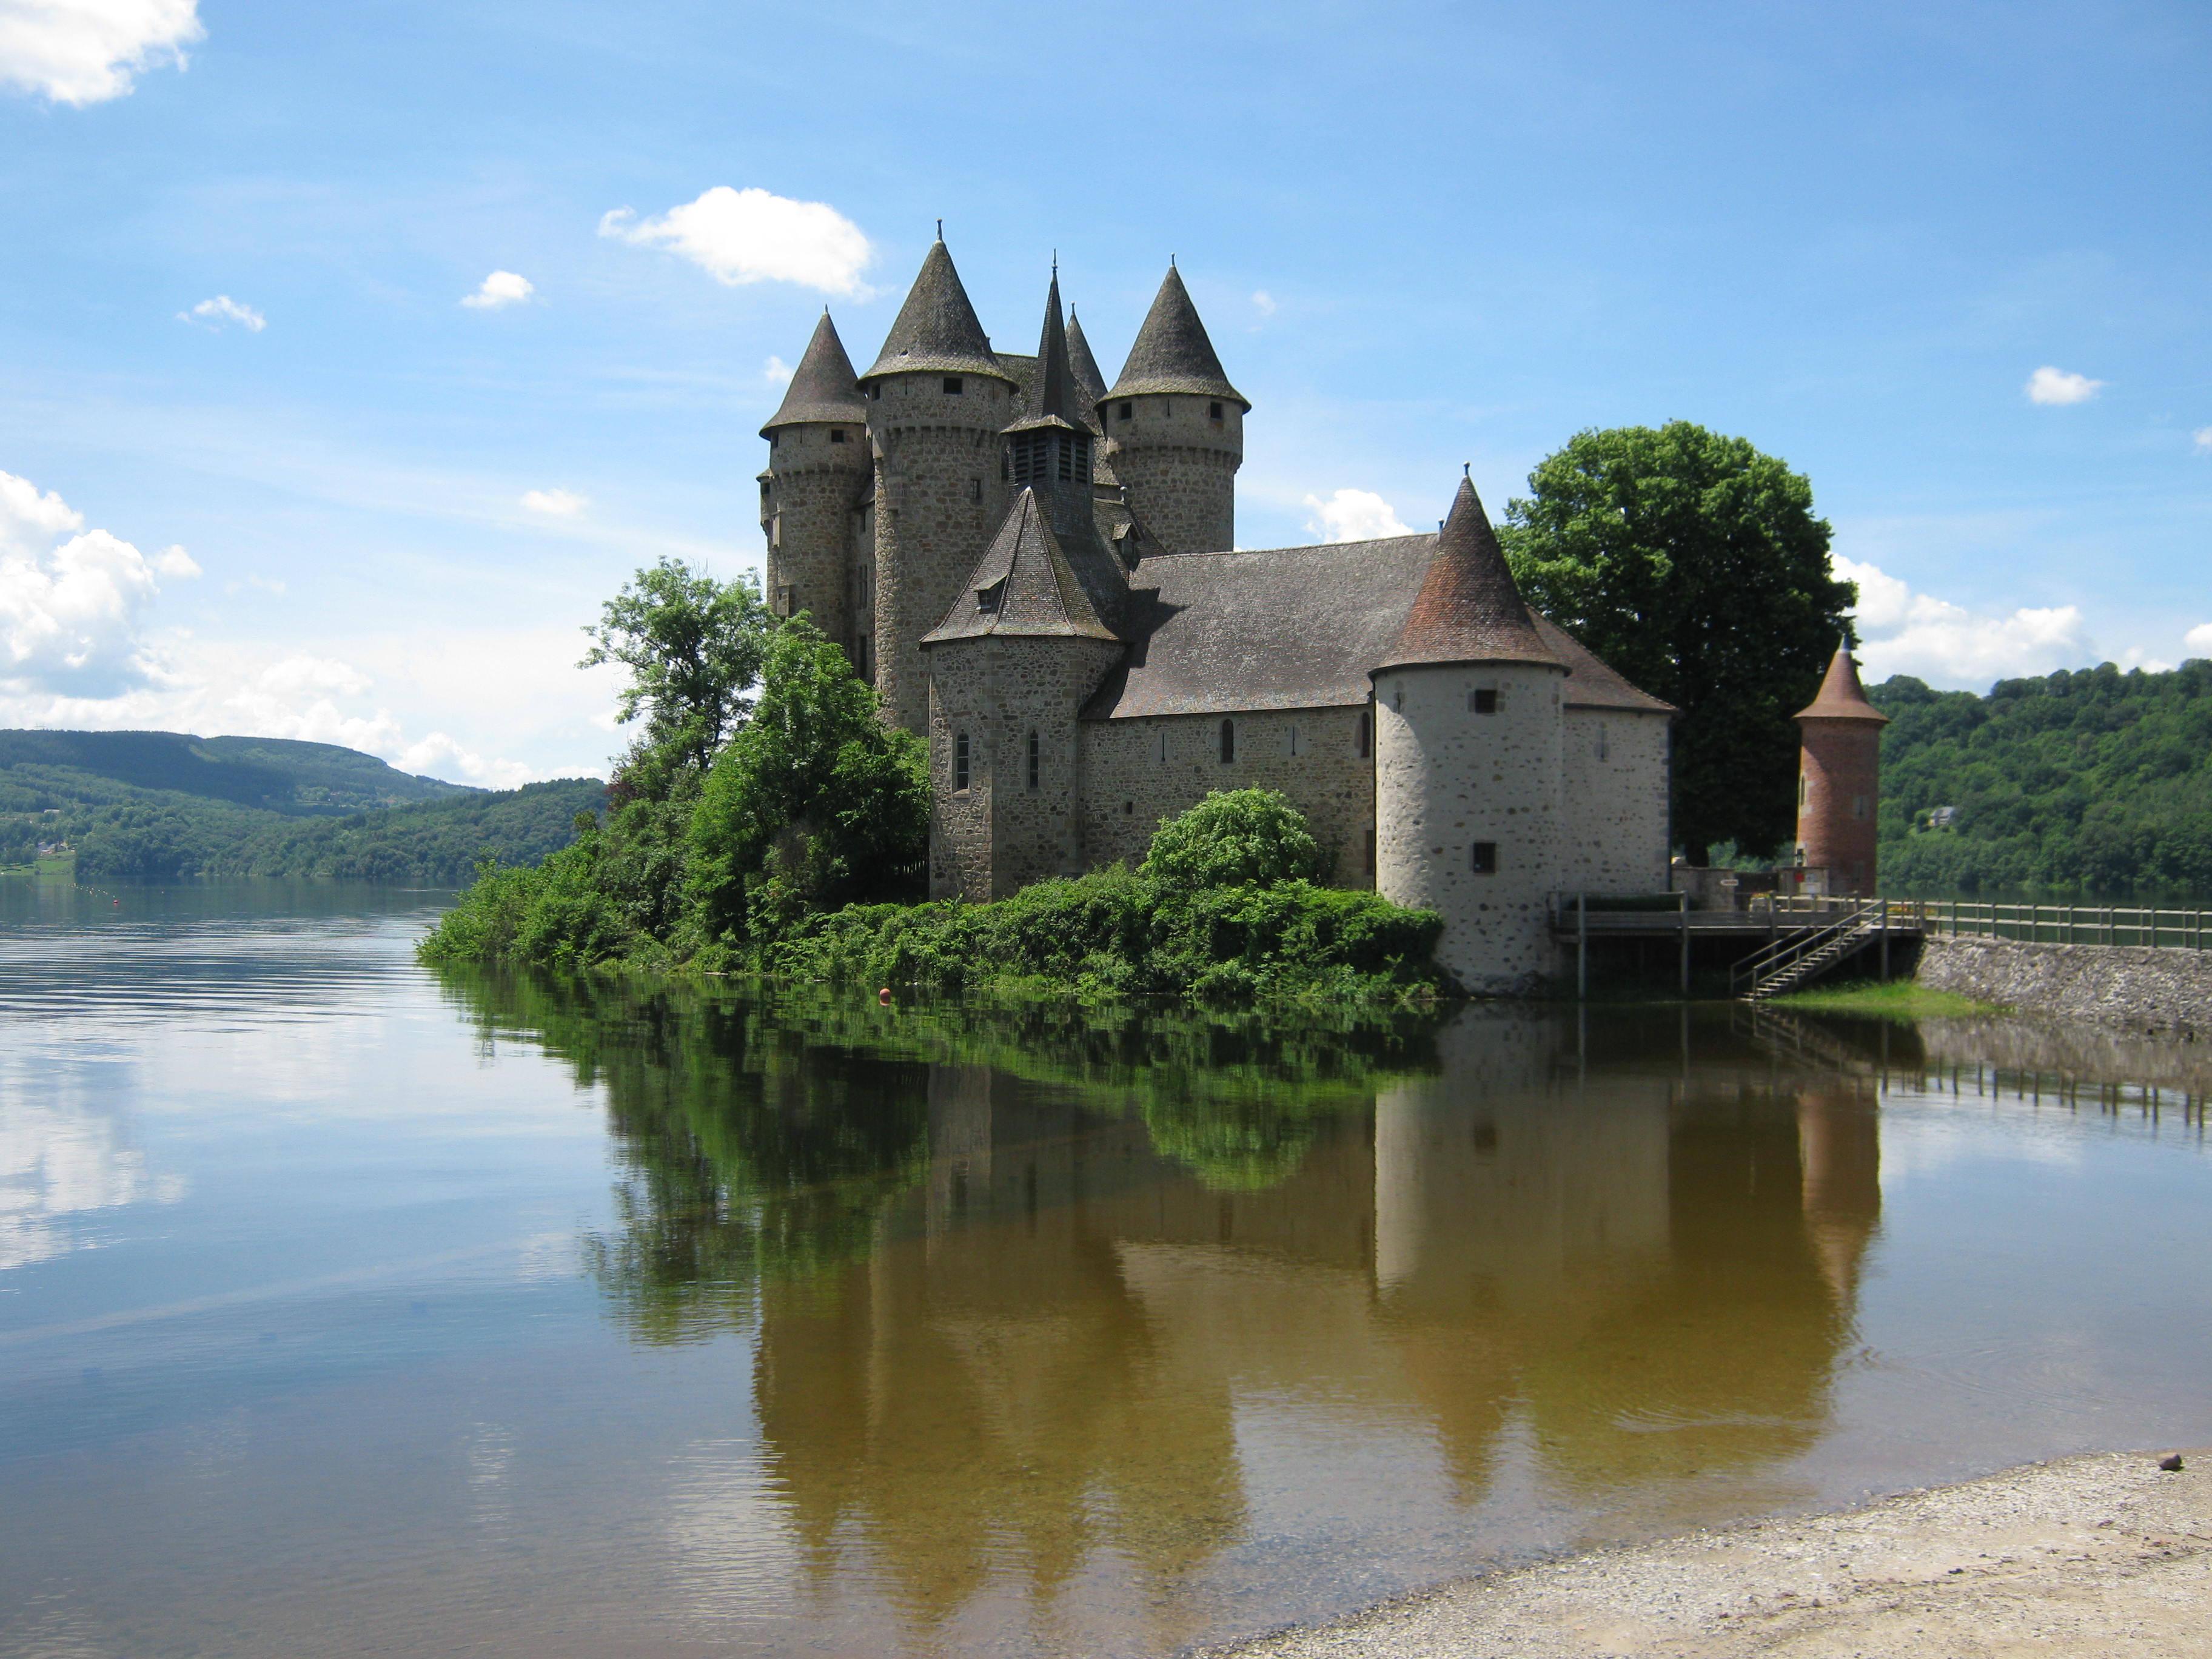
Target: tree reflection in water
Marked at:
1013, 1274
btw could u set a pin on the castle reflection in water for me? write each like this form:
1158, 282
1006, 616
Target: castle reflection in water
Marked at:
1024, 1323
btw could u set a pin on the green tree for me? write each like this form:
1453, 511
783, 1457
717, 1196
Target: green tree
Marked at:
1695, 565
1233, 838
816, 803
693, 647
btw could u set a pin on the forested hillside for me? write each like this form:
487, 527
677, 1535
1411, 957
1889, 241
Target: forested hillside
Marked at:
161, 805
2095, 779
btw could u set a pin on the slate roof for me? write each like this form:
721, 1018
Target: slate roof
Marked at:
1086, 373
822, 387
1055, 400
1293, 628
1468, 609
1038, 593
936, 331
1842, 697
1172, 352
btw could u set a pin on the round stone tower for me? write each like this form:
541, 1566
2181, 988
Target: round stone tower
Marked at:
937, 397
819, 472
1469, 762
1839, 781
1175, 429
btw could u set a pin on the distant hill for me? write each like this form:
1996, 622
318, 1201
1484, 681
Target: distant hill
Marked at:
162, 805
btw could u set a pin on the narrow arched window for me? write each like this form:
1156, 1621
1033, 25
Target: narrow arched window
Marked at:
1160, 747
1033, 760
960, 761
1228, 741
1366, 738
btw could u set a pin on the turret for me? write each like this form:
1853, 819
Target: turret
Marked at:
1018, 653
938, 398
1839, 781
1084, 366
819, 469
1175, 428
1468, 762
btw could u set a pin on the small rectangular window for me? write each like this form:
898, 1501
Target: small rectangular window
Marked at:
786, 600
953, 386
836, 435
1160, 748
1365, 741
876, 391
975, 490
1370, 852
960, 761
1034, 766
1858, 807
1228, 741
860, 654
1600, 742
1483, 858
775, 441
1213, 411
1483, 701
1125, 412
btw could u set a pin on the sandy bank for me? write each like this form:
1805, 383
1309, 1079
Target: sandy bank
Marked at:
2090, 1555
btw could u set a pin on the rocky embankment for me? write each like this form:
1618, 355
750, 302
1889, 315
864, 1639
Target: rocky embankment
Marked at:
2091, 1555
2162, 991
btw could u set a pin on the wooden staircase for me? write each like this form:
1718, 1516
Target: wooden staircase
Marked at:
1803, 955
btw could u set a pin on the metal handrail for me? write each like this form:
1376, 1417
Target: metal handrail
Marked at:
1787, 951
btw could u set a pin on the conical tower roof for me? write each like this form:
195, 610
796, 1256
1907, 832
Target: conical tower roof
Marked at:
936, 331
1172, 352
1025, 585
1842, 697
1055, 395
1468, 609
822, 387
1086, 371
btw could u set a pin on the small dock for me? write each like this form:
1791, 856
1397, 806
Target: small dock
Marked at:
1774, 944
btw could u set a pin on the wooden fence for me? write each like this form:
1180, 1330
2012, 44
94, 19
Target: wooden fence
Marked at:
2036, 924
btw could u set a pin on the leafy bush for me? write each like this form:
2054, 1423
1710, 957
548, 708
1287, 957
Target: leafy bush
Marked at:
1234, 838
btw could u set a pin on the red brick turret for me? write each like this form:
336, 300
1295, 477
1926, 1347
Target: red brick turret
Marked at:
1839, 780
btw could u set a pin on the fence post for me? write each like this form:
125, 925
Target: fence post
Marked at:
1686, 943
1581, 945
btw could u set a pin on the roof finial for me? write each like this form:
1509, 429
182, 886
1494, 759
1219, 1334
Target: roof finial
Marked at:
1466, 469
940, 230
1170, 261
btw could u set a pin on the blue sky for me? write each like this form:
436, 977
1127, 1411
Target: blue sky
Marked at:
1953, 262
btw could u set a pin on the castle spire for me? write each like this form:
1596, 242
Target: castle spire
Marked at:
822, 387
1055, 395
937, 331
1468, 609
1842, 697
1086, 371
1173, 353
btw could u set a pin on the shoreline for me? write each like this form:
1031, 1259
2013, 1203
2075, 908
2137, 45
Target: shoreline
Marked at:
2097, 1554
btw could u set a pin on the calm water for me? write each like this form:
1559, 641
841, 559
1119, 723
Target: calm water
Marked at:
345, 1310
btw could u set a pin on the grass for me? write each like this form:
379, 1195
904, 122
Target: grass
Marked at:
1905, 998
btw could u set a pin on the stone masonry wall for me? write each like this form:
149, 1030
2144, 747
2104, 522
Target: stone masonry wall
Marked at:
998, 835
1178, 466
939, 499
806, 514
1614, 822
1839, 799
2143, 989
1447, 778
1128, 787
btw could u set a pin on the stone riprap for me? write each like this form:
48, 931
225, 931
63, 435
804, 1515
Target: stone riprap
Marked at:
2166, 990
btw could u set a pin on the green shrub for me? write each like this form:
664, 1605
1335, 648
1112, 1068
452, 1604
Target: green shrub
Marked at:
1234, 838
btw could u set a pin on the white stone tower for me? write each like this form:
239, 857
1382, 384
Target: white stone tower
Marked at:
819, 472
1175, 429
938, 398
1468, 762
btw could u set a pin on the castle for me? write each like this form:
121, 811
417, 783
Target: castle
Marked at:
1039, 575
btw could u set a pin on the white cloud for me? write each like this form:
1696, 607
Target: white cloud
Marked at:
2054, 385
85, 51
2199, 638
776, 372
1353, 516
501, 288
1902, 632
222, 308
561, 503
1264, 303
439, 755
69, 614
740, 236
2202, 439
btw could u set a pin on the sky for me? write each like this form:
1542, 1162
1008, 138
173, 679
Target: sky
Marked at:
351, 357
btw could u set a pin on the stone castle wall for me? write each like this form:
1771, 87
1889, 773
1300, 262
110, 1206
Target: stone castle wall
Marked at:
1178, 464
1448, 779
1614, 823
999, 834
1839, 799
939, 499
2167, 990
812, 485
1128, 787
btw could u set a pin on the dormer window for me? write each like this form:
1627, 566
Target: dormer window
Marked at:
986, 598
836, 435
954, 386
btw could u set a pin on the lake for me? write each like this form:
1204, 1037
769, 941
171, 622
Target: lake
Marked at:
346, 1309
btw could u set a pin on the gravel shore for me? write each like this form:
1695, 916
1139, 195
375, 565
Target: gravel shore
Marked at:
2098, 1555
